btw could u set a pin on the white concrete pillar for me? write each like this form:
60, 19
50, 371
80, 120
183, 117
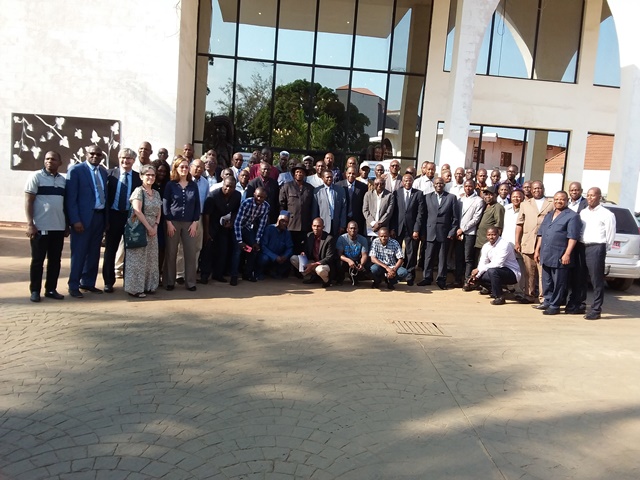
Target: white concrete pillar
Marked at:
472, 19
577, 150
625, 164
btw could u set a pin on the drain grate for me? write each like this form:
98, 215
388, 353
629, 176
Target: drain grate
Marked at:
419, 328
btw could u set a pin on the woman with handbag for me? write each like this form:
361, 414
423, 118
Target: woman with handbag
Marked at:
141, 274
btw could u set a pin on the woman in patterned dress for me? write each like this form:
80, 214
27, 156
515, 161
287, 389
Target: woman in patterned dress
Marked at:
141, 275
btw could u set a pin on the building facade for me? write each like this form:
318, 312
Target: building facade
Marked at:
430, 76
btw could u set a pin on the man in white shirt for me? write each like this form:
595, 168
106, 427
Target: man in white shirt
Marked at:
425, 181
497, 266
457, 186
316, 180
598, 232
511, 212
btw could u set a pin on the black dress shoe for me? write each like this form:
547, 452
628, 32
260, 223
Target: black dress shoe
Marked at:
220, 279
90, 289
233, 282
484, 291
108, 289
575, 311
455, 285
202, 281
180, 281
409, 283
375, 284
35, 297
551, 311
76, 293
467, 287
523, 300
391, 286
424, 282
442, 285
592, 316
326, 284
542, 306
192, 289
169, 287
498, 301
249, 278
54, 294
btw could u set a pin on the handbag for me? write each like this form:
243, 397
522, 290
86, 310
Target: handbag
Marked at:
135, 233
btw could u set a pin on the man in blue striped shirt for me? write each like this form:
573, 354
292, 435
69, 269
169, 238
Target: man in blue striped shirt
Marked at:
249, 228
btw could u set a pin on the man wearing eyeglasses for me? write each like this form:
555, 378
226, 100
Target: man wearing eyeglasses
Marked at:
394, 180
121, 181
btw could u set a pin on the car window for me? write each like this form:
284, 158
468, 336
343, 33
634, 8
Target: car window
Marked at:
625, 222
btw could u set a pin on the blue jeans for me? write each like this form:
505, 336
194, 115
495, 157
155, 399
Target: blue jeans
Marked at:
379, 274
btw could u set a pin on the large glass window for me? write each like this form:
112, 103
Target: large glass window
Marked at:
607, 70
314, 75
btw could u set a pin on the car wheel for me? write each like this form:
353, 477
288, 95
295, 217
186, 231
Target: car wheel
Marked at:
620, 284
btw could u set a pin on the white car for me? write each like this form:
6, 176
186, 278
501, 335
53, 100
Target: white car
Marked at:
622, 265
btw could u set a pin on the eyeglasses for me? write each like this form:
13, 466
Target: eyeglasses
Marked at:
183, 167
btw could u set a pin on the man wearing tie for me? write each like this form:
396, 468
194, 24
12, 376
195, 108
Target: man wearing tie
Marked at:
121, 181
406, 223
442, 224
87, 209
330, 204
354, 192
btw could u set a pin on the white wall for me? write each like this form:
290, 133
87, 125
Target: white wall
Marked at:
114, 59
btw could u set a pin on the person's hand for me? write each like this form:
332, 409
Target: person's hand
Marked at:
536, 257
415, 236
474, 272
309, 269
67, 231
171, 230
459, 232
193, 229
351, 263
566, 259
391, 273
281, 259
376, 226
518, 247
78, 227
32, 231
153, 231
256, 247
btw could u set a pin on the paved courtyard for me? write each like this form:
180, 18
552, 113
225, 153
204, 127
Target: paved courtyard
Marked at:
280, 381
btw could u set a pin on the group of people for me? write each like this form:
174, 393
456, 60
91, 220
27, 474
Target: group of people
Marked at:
206, 221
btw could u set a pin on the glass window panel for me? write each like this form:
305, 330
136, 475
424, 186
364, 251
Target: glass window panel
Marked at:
366, 109
292, 107
214, 90
499, 140
607, 70
257, 33
412, 28
335, 32
558, 39
555, 156
451, 30
253, 102
330, 97
402, 120
373, 36
223, 27
483, 55
297, 24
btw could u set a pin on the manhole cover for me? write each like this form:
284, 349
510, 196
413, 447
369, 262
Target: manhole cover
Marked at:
418, 328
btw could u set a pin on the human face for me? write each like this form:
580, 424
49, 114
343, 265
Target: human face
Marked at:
183, 169
431, 171
52, 162
469, 188
284, 161
495, 177
161, 174
482, 176
492, 236
317, 227
237, 160
378, 184
537, 190
211, 155
94, 155
394, 168
187, 151
407, 181
459, 175
377, 154
446, 175
438, 185
126, 162
512, 171
329, 160
327, 178
423, 167
364, 172
468, 174
163, 154
210, 166
516, 198
383, 235
265, 155
489, 198
319, 166
308, 163
260, 196
299, 175
350, 174
227, 187
265, 168
144, 151
243, 178
575, 191
283, 223
197, 168
149, 178
352, 230
351, 162
560, 201
593, 197
503, 191
526, 189
379, 170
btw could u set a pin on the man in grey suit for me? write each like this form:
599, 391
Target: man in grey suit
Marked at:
406, 222
354, 193
441, 226
330, 204
377, 208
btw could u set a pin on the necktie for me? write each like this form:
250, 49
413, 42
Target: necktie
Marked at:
330, 198
98, 181
127, 182
407, 194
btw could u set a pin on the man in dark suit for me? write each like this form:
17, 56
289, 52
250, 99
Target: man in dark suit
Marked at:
330, 204
558, 235
266, 181
87, 210
577, 287
296, 197
441, 226
354, 193
319, 253
406, 222
121, 181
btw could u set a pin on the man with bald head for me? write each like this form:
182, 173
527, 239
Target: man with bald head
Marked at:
187, 152
457, 185
144, 156
481, 180
248, 228
598, 233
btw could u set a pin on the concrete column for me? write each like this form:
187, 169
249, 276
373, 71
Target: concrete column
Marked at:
577, 150
472, 19
625, 164
536, 154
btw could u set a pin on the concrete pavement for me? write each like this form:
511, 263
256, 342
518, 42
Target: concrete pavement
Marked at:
276, 380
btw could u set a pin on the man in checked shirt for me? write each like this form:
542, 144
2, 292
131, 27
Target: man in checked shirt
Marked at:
249, 228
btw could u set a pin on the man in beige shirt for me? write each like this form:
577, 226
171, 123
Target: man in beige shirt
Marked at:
532, 212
